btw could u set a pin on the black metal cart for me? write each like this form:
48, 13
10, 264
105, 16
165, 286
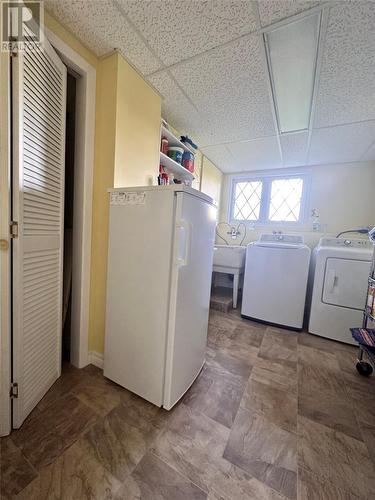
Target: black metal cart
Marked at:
366, 336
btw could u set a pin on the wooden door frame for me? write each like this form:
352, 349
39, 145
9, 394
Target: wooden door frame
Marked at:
83, 191
5, 253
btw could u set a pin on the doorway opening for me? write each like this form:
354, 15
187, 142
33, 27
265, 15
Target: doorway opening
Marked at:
70, 140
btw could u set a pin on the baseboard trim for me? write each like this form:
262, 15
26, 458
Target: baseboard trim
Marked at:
96, 359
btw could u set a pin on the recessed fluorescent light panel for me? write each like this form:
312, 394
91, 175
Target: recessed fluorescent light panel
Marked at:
292, 53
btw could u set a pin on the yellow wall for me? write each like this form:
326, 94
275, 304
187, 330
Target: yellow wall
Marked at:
211, 179
137, 129
105, 139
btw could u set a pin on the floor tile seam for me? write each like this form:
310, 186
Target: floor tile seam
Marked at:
34, 469
162, 459
260, 414
257, 479
330, 429
228, 373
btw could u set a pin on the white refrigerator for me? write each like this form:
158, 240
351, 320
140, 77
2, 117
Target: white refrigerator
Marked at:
161, 243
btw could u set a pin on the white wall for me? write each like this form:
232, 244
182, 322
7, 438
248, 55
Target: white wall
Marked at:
343, 194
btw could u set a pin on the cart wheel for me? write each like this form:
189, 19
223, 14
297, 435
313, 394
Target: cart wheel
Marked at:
364, 369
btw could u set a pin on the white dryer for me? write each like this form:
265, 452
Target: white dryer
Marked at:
340, 269
275, 281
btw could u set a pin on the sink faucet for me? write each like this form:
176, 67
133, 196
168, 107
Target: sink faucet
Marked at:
233, 232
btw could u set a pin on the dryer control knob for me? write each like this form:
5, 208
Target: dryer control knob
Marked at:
347, 242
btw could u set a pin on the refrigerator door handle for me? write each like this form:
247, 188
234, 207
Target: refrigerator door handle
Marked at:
184, 236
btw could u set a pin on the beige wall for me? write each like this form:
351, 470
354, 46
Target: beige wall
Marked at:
211, 180
105, 139
343, 195
137, 129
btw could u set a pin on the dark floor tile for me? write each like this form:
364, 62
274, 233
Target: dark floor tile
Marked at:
336, 458
368, 436
216, 394
225, 362
154, 479
43, 438
317, 357
99, 393
322, 343
276, 405
265, 451
121, 439
93, 370
240, 337
194, 444
15, 471
324, 399
279, 345
73, 475
278, 375
70, 378
222, 320
312, 487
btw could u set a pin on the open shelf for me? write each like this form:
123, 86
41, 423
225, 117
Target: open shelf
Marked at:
174, 142
180, 172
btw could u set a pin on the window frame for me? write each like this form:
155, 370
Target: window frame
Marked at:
266, 180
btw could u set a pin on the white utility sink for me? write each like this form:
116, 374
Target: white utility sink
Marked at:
229, 256
230, 259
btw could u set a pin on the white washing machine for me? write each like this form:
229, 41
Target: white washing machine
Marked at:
340, 269
275, 281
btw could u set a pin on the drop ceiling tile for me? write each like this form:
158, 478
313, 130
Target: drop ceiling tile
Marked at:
178, 111
257, 154
229, 86
221, 157
344, 143
370, 154
177, 30
294, 148
271, 11
101, 27
346, 91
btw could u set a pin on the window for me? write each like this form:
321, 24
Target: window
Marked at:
268, 199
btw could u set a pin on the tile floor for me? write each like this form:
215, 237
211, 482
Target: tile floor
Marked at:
273, 415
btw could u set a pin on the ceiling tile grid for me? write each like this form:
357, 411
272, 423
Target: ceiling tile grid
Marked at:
180, 29
102, 28
258, 154
220, 155
217, 87
344, 143
271, 11
178, 110
229, 86
346, 91
294, 148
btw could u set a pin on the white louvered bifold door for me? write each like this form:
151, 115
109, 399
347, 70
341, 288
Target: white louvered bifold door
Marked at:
39, 103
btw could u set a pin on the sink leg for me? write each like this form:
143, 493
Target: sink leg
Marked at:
235, 290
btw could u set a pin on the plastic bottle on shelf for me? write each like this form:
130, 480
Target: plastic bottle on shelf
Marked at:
164, 145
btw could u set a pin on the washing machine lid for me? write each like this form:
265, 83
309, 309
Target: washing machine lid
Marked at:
280, 241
